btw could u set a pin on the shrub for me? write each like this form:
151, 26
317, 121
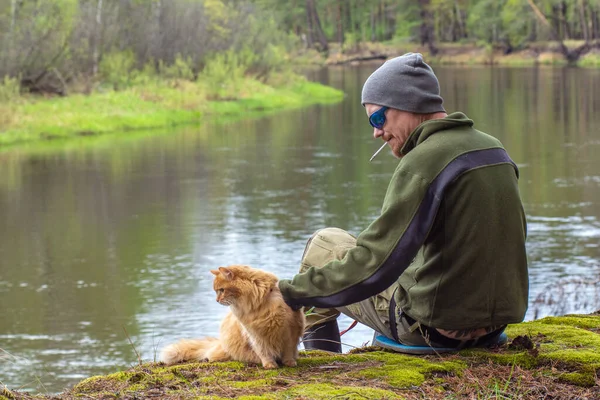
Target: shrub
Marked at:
10, 89
223, 73
116, 69
182, 68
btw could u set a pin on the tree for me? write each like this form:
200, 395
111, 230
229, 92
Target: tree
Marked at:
427, 34
571, 55
315, 30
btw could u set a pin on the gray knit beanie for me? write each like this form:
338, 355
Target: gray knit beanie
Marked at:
405, 83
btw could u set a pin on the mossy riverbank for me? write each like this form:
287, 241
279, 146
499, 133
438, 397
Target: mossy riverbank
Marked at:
555, 357
154, 105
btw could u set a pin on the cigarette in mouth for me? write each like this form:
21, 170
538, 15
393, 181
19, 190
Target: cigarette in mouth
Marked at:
378, 151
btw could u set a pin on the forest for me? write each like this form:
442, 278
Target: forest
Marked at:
61, 45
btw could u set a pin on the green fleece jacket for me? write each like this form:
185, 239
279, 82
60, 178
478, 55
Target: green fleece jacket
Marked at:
451, 235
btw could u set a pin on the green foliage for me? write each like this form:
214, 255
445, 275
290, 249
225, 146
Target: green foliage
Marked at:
10, 89
408, 20
351, 41
182, 68
484, 21
590, 60
48, 42
517, 19
223, 73
116, 69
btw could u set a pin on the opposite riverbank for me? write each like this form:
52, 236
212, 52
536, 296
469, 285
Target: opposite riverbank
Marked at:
533, 54
156, 104
555, 357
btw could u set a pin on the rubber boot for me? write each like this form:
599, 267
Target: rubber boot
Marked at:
325, 336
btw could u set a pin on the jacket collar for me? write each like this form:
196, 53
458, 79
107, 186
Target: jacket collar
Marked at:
428, 128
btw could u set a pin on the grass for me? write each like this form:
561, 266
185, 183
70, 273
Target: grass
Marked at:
157, 104
560, 361
591, 59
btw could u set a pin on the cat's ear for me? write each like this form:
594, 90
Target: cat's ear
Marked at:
214, 272
227, 273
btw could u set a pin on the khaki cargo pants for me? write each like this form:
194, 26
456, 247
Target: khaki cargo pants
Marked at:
330, 244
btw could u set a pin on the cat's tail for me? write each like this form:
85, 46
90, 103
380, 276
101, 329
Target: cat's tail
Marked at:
188, 349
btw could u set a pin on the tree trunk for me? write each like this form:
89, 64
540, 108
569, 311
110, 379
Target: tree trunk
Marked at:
570, 55
460, 25
348, 22
427, 32
13, 15
97, 40
315, 25
157, 33
340, 22
372, 24
566, 31
309, 27
11, 32
556, 19
582, 20
595, 25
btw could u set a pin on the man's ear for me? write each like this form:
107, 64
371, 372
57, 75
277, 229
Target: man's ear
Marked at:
227, 273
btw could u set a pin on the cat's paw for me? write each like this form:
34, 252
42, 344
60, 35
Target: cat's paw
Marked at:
269, 365
290, 363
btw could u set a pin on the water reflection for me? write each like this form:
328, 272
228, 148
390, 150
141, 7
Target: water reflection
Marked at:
110, 238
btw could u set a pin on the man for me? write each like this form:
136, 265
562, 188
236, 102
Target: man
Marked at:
444, 264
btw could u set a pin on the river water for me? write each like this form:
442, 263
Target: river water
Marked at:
106, 243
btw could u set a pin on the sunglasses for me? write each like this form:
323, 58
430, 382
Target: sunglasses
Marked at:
377, 119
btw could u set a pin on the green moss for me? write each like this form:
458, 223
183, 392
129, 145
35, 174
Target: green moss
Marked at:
522, 359
93, 383
317, 360
249, 384
584, 379
565, 333
566, 349
398, 377
136, 387
327, 391
5, 394
577, 321
560, 341
402, 371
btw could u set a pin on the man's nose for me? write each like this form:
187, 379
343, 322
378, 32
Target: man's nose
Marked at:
377, 133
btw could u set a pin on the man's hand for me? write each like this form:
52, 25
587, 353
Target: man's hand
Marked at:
289, 302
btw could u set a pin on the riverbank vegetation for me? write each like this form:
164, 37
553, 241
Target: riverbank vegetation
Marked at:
84, 46
569, 28
83, 67
555, 357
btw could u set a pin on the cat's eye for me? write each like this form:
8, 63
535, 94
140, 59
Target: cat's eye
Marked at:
220, 290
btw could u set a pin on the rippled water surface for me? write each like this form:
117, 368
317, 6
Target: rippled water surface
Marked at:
109, 240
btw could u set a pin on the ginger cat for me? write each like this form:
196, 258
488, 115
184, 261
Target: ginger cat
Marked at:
259, 328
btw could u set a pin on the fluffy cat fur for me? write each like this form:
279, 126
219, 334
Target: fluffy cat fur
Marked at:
259, 328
